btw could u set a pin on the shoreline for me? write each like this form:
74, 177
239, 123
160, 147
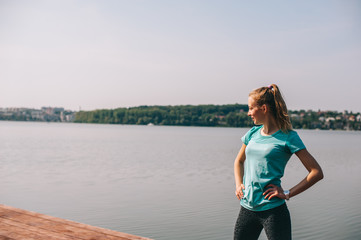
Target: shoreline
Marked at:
155, 125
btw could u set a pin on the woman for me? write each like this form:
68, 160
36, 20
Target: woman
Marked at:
260, 164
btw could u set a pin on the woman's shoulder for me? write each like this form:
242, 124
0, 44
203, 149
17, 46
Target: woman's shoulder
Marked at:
292, 133
254, 129
294, 142
250, 133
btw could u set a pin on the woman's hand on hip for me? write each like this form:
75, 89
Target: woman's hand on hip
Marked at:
239, 192
273, 191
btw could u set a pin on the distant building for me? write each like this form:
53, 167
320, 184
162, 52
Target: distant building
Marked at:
358, 118
329, 119
37, 115
51, 111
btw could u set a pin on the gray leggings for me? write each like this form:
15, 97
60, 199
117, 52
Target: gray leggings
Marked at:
276, 223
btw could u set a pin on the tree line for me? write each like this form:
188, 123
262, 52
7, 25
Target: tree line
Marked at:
230, 115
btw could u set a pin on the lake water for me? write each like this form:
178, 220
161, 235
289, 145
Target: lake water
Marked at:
168, 182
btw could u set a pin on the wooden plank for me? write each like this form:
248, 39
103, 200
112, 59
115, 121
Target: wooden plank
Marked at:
5, 238
36, 231
12, 232
37, 224
32, 225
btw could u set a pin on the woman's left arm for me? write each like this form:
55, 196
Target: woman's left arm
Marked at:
314, 175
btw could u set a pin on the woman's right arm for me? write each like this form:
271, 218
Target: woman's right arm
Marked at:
238, 171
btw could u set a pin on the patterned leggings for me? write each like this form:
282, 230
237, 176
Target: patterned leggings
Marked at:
276, 223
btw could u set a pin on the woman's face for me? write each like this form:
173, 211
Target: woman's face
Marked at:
255, 112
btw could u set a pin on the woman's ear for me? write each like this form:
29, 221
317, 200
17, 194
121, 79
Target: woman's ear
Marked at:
264, 108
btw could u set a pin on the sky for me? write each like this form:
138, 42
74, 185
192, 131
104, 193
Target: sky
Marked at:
106, 54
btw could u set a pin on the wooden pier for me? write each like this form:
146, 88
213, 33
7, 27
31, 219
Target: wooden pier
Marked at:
25, 225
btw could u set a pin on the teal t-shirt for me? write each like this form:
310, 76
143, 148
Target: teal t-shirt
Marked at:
266, 159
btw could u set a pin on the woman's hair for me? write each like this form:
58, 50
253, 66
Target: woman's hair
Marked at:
272, 97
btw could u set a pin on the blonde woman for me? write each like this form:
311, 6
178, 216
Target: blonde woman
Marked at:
259, 167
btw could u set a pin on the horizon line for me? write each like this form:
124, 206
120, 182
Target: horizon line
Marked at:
170, 105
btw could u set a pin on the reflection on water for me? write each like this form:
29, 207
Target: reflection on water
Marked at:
167, 182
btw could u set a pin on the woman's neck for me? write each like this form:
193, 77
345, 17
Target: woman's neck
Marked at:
270, 127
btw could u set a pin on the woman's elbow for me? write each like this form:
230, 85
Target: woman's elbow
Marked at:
319, 174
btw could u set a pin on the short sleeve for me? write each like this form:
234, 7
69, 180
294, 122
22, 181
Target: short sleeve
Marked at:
247, 137
294, 142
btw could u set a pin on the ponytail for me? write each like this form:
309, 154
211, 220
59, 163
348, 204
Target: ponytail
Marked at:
272, 97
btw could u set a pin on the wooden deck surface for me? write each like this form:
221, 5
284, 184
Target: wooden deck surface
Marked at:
23, 225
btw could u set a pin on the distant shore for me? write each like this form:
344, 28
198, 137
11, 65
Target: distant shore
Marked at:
231, 115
